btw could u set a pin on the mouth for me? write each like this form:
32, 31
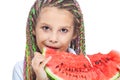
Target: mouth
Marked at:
51, 47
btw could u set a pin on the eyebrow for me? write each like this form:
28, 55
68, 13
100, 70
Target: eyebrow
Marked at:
44, 24
60, 26
66, 26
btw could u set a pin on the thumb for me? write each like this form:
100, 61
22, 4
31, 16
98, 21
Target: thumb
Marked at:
118, 67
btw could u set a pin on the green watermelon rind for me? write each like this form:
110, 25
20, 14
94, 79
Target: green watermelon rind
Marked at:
52, 75
43, 51
116, 76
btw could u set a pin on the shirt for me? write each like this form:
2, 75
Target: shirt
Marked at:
18, 68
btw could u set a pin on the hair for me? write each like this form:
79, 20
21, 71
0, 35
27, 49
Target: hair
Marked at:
78, 44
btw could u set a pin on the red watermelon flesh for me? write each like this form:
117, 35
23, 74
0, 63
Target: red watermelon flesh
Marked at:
114, 56
68, 66
104, 63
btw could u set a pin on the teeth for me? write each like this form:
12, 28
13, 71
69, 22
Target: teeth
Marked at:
52, 47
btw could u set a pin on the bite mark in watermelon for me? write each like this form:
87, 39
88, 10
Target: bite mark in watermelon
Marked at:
68, 66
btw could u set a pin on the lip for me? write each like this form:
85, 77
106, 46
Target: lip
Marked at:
52, 47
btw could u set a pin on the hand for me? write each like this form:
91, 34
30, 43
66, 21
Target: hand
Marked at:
119, 70
38, 64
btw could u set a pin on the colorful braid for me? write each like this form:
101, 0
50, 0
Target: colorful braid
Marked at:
77, 44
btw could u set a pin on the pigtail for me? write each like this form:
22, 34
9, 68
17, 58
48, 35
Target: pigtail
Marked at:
31, 46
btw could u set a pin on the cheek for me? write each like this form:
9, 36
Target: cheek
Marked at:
40, 41
40, 38
65, 40
40, 35
65, 44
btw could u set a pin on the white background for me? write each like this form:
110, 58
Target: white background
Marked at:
102, 22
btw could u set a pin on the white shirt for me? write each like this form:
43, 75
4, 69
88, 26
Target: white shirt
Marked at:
18, 68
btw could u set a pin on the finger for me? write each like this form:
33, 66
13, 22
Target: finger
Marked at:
39, 56
45, 61
118, 67
36, 54
37, 59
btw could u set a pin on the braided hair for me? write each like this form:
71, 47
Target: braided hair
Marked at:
78, 44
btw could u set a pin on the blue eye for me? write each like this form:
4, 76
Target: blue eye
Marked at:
45, 28
64, 30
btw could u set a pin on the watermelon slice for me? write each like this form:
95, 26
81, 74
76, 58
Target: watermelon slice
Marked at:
68, 66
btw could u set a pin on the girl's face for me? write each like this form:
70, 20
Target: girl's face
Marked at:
54, 29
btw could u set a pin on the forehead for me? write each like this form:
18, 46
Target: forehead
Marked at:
55, 14
55, 9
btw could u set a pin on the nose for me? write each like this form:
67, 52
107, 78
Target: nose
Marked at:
53, 38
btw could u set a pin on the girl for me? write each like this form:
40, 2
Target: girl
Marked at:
55, 24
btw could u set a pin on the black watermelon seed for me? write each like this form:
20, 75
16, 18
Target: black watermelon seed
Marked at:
57, 66
69, 69
107, 58
59, 69
85, 65
96, 62
61, 64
